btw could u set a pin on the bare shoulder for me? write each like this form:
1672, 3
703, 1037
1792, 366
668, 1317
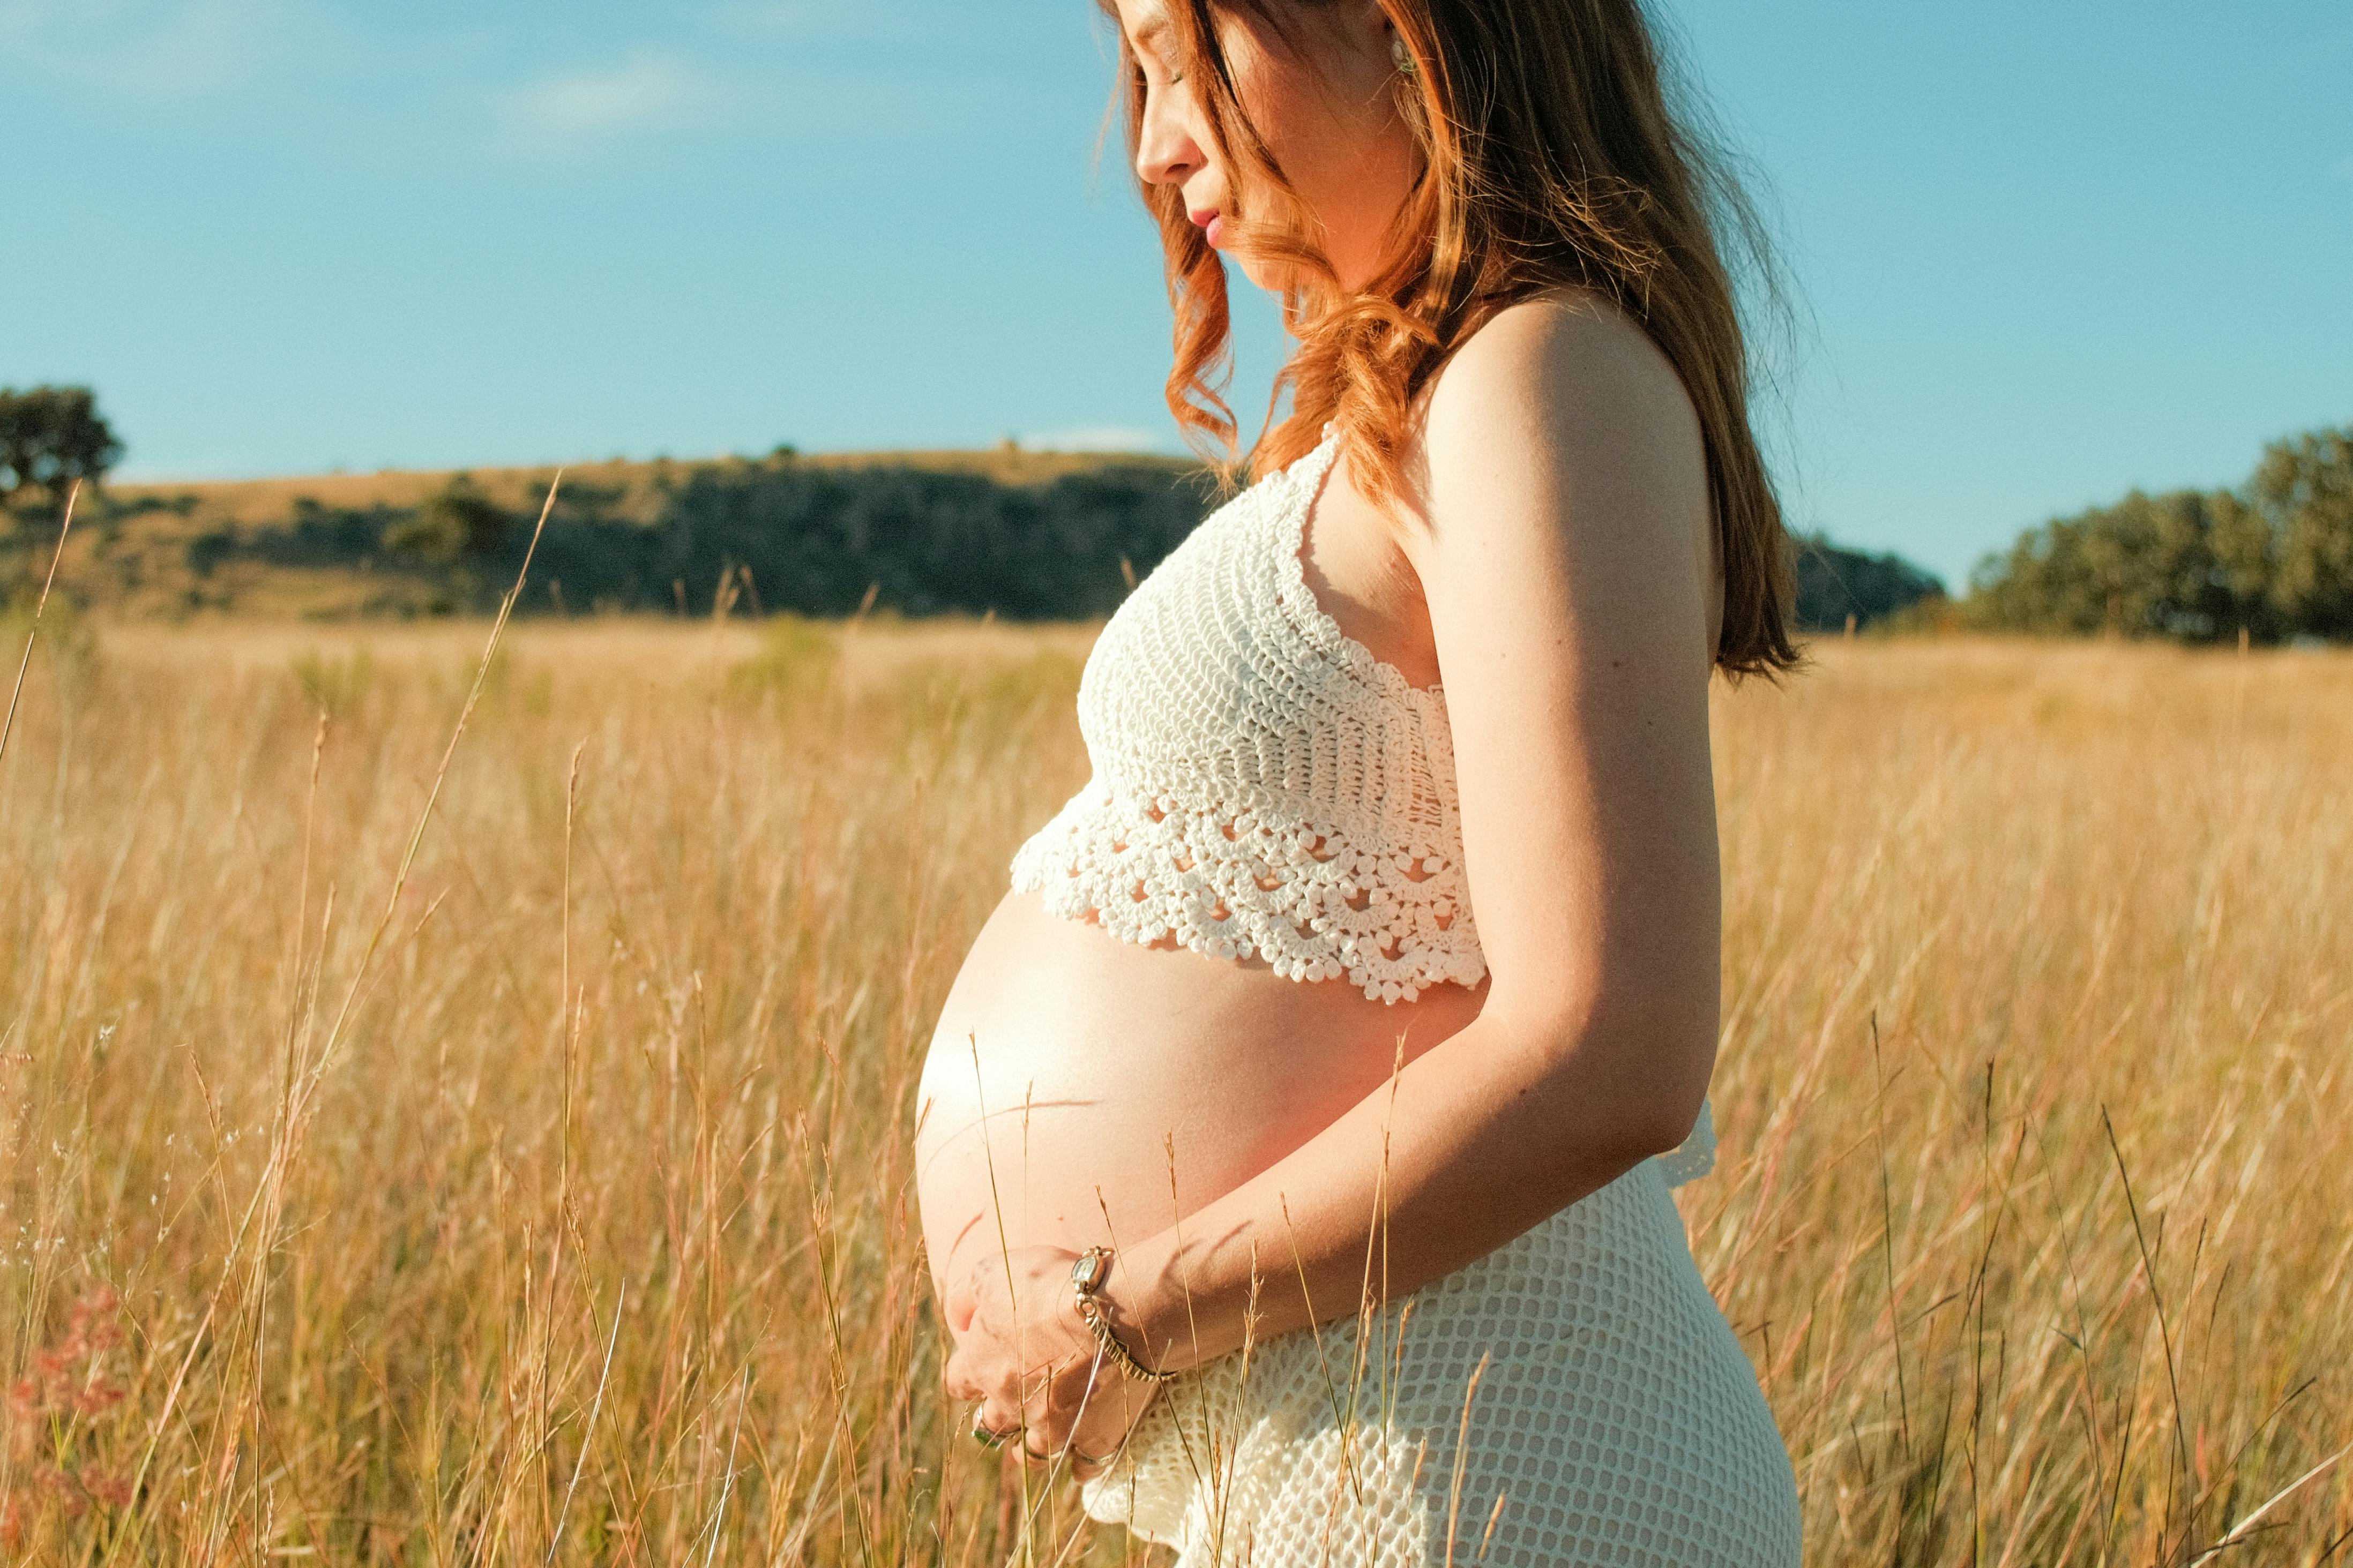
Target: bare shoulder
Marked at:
1559, 444
1561, 382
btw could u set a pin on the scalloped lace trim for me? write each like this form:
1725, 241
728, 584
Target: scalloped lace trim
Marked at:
1256, 883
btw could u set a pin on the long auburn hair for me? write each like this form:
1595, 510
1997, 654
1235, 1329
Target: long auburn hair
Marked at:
1550, 158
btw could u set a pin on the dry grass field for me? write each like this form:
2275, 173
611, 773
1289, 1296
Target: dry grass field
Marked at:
536, 1189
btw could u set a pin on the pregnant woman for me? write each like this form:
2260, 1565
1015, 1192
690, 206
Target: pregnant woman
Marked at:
1296, 1142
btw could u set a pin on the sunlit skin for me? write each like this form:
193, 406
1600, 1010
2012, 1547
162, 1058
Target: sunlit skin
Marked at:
1557, 563
1330, 117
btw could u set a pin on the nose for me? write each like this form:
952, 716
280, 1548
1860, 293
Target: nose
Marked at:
1166, 151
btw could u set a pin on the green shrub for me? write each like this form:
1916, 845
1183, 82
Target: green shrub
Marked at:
458, 523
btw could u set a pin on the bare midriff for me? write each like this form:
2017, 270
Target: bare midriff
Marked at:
1082, 1089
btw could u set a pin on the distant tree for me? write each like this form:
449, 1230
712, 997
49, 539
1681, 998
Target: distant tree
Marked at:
2303, 489
456, 523
1835, 582
2273, 559
2184, 565
51, 436
2245, 567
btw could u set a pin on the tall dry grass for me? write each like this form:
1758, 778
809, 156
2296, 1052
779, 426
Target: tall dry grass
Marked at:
590, 1239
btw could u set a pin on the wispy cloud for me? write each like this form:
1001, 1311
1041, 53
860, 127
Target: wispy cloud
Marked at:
743, 70
152, 47
741, 95
648, 89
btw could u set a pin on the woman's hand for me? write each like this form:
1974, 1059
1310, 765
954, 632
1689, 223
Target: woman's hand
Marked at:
1026, 1356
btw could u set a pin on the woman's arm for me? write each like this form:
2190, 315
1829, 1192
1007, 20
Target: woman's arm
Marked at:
1570, 569
1568, 566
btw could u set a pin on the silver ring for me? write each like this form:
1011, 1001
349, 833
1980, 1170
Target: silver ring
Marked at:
1086, 1458
986, 1438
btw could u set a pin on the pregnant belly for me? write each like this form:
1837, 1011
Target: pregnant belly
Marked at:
1084, 1090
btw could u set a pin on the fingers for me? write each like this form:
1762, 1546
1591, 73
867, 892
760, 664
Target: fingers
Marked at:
1100, 1428
1078, 1418
982, 1279
957, 1378
958, 1306
1035, 1377
1073, 1428
1001, 1413
1086, 1468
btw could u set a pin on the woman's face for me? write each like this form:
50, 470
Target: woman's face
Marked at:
1328, 114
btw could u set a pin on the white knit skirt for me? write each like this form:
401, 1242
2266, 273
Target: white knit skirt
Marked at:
1616, 1421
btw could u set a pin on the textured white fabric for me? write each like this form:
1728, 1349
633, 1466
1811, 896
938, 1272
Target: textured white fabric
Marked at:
1617, 1422
1264, 785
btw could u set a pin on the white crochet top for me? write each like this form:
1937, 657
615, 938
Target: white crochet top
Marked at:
1262, 785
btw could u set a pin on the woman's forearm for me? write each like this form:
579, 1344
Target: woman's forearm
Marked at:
1471, 1145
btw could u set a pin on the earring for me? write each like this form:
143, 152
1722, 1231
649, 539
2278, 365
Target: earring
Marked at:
1403, 55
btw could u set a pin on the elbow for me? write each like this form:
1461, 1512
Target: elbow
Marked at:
1675, 1114
1647, 1066
1663, 1104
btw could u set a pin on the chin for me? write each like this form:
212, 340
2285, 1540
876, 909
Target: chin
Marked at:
1276, 279
1260, 276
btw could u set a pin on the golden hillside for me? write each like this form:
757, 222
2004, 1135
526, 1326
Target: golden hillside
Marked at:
250, 501
324, 546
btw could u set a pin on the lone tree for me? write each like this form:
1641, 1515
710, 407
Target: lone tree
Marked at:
50, 437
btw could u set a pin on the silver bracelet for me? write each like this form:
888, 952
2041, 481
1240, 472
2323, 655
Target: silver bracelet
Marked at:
1087, 1276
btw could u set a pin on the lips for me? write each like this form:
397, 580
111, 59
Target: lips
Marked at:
1211, 219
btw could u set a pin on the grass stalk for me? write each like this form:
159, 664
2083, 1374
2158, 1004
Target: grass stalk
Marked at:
32, 635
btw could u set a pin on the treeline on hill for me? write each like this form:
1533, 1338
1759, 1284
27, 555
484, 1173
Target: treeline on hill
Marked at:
2273, 557
815, 537
769, 535
779, 535
2271, 560
817, 540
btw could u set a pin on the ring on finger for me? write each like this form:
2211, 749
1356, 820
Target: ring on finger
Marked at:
986, 1438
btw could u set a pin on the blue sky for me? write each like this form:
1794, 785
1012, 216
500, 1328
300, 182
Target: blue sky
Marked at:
2045, 251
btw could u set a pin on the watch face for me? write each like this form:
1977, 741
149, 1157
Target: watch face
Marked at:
1086, 1270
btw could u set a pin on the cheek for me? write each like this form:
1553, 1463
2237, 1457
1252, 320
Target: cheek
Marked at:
1282, 109
1349, 171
